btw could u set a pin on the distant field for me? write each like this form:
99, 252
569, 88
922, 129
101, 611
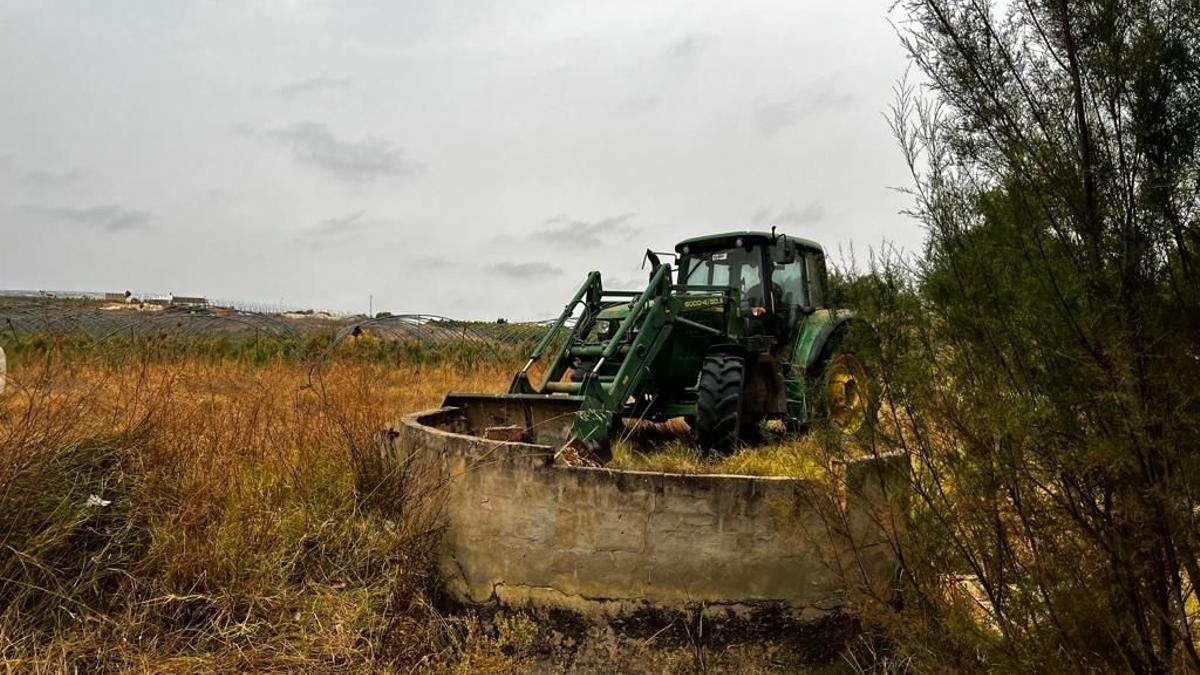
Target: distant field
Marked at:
24, 317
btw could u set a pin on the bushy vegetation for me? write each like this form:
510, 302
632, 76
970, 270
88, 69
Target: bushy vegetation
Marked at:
1042, 354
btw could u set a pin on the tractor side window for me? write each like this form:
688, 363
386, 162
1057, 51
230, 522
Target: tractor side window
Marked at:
817, 280
789, 279
750, 279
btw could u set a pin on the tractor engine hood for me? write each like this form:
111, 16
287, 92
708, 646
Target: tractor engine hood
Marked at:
615, 312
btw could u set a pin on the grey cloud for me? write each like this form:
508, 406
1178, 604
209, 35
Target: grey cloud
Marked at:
688, 50
312, 84
526, 270
367, 159
675, 63
107, 217
574, 233
776, 115
337, 225
52, 179
38, 178
813, 212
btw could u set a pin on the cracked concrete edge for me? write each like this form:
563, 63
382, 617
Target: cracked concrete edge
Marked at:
500, 592
610, 609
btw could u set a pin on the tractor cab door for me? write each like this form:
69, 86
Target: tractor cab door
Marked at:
790, 279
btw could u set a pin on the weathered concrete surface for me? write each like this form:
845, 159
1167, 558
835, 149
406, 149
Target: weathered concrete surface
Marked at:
522, 530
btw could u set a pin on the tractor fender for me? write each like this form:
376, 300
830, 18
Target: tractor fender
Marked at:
821, 327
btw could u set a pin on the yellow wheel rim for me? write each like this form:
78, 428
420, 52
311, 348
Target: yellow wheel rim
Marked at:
846, 383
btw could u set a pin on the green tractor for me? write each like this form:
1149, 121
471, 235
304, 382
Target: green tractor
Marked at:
737, 332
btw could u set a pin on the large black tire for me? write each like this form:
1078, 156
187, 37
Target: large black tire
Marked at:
719, 408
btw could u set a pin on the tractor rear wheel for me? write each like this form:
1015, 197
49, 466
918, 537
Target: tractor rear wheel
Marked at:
847, 392
719, 408
845, 398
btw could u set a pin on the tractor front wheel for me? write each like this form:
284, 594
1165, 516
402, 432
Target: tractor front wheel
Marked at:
719, 406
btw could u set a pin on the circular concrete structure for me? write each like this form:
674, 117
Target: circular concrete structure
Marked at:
523, 530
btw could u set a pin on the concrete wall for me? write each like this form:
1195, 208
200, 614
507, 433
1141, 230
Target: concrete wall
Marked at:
521, 529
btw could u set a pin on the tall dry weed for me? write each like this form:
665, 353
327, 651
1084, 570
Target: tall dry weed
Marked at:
214, 515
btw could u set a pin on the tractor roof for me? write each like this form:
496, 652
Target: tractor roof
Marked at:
728, 239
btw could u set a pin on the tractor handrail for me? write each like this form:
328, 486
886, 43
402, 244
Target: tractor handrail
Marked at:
635, 311
592, 278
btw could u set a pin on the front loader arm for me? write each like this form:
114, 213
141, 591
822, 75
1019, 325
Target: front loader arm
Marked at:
589, 293
651, 317
603, 400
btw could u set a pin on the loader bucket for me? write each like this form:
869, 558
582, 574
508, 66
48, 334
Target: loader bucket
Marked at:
529, 418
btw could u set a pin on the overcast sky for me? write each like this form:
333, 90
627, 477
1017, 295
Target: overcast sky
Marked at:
472, 159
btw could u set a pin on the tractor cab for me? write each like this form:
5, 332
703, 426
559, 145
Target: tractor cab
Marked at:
779, 279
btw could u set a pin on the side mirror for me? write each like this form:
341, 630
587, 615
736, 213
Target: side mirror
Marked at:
785, 257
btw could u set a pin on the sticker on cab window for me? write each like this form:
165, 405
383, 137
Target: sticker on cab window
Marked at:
719, 256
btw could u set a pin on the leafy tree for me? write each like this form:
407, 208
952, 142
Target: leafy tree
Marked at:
1042, 358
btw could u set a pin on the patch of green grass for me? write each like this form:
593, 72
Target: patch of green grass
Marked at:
251, 349
669, 448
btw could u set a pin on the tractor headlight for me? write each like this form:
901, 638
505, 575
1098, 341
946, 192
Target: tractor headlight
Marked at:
604, 327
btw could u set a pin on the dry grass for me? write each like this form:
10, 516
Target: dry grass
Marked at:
208, 515
669, 448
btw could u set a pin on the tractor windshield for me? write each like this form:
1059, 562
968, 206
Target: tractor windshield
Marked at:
734, 267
